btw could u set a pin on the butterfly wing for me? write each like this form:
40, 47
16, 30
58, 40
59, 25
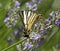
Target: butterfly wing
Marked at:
28, 19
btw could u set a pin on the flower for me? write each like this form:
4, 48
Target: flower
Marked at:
9, 40
40, 43
36, 37
39, 1
34, 7
16, 34
37, 45
28, 4
48, 21
52, 14
35, 26
24, 48
44, 31
6, 20
49, 18
17, 3
27, 45
57, 22
31, 6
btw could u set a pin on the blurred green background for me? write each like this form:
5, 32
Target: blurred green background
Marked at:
44, 8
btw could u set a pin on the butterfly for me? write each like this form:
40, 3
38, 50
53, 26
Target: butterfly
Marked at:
28, 18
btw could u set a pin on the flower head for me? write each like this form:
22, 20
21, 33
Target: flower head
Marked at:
27, 45
31, 6
34, 7
39, 1
57, 22
43, 31
17, 3
52, 14
48, 21
16, 32
28, 4
9, 40
35, 25
6, 20
40, 43
36, 37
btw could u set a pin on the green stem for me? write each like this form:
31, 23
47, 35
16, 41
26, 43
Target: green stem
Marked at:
13, 45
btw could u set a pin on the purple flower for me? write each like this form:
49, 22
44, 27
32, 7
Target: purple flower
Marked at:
6, 20
48, 21
17, 3
36, 37
35, 25
39, 1
40, 43
30, 46
57, 22
31, 6
43, 31
16, 34
9, 40
36, 46
52, 14
28, 4
27, 45
24, 48
34, 7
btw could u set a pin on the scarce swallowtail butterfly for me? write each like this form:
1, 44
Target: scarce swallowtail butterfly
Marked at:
28, 18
